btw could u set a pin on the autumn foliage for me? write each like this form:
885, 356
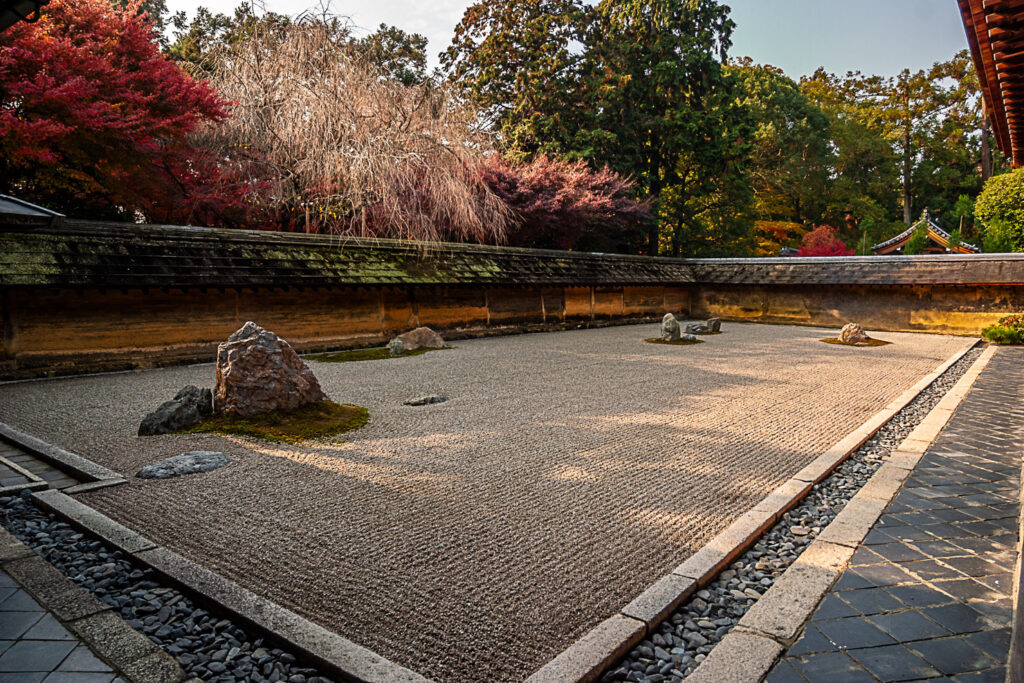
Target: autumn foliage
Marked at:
95, 121
564, 204
823, 241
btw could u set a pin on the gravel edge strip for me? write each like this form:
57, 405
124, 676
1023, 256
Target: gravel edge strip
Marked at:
128, 652
802, 554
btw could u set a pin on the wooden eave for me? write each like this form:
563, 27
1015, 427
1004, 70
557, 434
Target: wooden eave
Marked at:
995, 34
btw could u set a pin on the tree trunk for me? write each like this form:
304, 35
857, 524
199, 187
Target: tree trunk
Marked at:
986, 150
908, 209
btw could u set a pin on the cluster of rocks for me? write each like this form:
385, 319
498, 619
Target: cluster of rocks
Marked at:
414, 340
673, 330
684, 640
257, 372
206, 646
852, 333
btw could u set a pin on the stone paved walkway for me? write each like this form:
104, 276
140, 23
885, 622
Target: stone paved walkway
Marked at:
18, 468
35, 648
928, 595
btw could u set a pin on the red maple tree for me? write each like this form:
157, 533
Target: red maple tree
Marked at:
566, 204
94, 121
823, 241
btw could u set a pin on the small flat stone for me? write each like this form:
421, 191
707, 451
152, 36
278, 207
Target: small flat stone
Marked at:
192, 462
425, 400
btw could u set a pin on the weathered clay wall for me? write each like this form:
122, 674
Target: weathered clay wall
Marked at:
58, 331
62, 331
963, 310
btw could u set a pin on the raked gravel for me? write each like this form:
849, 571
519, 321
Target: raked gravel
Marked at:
688, 635
475, 539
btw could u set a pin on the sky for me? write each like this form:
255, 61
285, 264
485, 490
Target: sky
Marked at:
872, 36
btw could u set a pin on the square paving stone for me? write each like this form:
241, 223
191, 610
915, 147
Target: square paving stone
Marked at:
899, 552
893, 663
933, 569
921, 595
939, 548
986, 528
953, 655
850, 581
956, 617
998, 613
968, 589
78, 677
884, 575
20, 601
14, 624
863, 555
832, 608
810, 642
784, 673
997, 675
6, 581
854, 632
22, 677
871, 601
995, 644
951, 515
82, 659
877, 537
999, 582
48, 628
908, 626
974, 566
831, 666
35, 655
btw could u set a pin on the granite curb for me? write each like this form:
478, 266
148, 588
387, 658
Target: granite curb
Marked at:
584, 660
324, 648
132, 655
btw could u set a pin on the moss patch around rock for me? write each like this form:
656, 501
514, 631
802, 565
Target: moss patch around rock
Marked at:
312, 421
681, 342
380, 353
870, 342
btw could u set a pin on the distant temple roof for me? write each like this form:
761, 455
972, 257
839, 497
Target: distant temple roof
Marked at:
939, 241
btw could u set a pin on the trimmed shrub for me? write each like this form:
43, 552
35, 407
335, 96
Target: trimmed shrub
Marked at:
1009, 330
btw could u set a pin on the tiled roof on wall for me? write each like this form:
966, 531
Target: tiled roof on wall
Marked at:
80, 255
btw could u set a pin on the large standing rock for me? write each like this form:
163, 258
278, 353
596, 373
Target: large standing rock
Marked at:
258, 372
187, 408
420, 338
852, 333
714, 324
669, 328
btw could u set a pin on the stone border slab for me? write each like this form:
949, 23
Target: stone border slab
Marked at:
134, 656
76, 465
327, 650
587, 658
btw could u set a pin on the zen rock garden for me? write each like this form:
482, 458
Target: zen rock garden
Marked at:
672, 330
